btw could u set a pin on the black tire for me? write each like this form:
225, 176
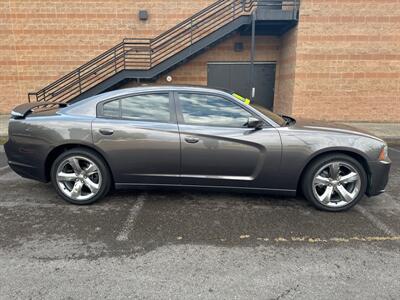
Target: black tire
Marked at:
94, 157
316, 165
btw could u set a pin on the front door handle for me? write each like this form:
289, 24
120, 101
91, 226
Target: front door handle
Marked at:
191, 139
106, 131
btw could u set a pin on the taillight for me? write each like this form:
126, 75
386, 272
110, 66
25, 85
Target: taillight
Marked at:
16, 115
383, 155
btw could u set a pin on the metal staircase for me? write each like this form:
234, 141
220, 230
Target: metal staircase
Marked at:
147, 58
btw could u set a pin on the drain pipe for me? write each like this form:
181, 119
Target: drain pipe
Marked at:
252, 56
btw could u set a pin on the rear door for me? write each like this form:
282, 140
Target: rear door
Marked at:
218, 149
139, 136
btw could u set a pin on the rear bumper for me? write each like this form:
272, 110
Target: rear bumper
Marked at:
21, 162
379, 177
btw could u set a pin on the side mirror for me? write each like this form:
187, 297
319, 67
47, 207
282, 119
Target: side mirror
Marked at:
254, 123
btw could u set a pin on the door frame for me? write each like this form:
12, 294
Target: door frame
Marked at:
274, 63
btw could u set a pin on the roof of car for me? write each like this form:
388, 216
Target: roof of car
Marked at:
90, 103
155, 88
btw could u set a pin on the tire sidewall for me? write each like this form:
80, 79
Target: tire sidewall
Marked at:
106, 180
316, 165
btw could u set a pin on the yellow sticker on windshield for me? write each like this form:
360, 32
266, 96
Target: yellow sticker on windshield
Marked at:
241, 98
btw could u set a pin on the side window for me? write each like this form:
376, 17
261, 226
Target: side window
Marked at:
202, 109
111, 109
150, 107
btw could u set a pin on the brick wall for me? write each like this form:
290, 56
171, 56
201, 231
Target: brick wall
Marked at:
285, 83
342, 62
41, 40
348, 60
195, 70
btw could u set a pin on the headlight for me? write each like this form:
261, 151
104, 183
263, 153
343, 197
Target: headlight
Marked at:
383, 155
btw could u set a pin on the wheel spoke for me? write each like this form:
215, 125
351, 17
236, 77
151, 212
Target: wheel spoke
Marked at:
91, 169
93, 187
62, 176
77, 189
325, 198
320, 180
351, 177
74, 163
334, 170
343, 193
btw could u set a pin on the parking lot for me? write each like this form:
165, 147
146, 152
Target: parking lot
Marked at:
188, 244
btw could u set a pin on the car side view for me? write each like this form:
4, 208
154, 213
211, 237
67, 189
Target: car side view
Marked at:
191, 137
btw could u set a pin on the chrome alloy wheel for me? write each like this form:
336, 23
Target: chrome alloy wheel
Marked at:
336, 184
78, 178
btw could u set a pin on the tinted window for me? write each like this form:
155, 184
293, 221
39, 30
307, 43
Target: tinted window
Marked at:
150, 107
111, 109
198, 109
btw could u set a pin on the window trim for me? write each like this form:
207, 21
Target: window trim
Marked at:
172, 112
181, 121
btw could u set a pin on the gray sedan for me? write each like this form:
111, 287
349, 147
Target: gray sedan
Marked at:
191, 137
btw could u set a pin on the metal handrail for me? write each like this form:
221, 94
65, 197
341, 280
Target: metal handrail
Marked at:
144, 54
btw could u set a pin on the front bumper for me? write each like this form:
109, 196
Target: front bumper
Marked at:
378, 177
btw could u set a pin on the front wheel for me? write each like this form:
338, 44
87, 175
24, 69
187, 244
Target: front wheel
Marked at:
80, 176
334, 182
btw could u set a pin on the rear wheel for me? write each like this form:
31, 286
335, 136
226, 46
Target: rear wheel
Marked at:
80, 176
334, 182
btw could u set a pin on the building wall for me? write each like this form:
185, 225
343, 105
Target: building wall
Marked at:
41, 40
348, 60
286, 71
342, 61
195, 70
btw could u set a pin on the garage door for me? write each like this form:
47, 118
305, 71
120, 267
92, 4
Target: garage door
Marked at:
236, 77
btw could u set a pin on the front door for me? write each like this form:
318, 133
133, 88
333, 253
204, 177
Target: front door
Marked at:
139, 136
218, 149
236, 77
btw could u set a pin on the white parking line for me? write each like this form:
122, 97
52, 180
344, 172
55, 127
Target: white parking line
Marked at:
378, 223
4, 170
131, 219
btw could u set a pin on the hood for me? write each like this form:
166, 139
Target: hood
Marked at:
309, 124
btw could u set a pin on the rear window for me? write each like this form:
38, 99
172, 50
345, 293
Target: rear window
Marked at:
153, 107
111, 109
148, 107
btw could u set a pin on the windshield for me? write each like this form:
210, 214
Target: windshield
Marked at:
273, 116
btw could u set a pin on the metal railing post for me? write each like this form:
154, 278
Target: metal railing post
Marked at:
151, 56
191, 31
79, 81
115, 61
124, 52
295, 9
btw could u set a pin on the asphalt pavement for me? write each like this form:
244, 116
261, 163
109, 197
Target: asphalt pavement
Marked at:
190, 244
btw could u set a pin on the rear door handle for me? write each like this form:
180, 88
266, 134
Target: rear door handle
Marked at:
191, 139
106, 131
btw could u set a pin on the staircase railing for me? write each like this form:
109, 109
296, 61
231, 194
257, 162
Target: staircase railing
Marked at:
143, 54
